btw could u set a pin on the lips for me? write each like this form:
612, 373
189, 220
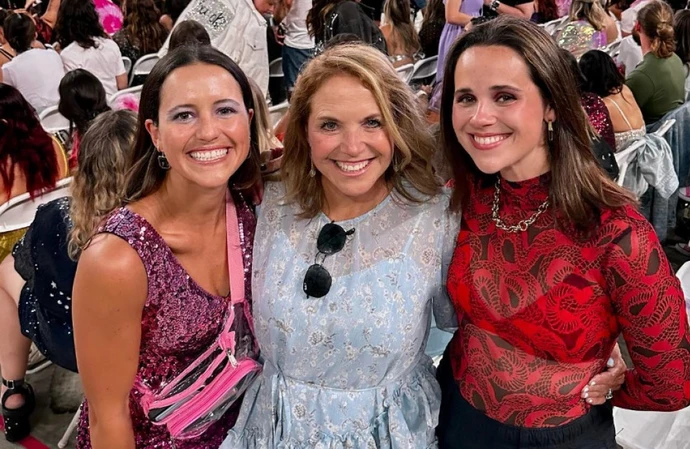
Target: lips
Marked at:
352, 167
209, 155
488, 142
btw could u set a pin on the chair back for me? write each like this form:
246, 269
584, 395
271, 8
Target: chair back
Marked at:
143, 66
275, 68
52, 121
19, 212
423, 69
665, 127
277, 112
555, 26
128, 64
130, 91
405, 72
626, 156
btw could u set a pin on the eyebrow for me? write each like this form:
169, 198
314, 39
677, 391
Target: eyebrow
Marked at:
498, 87
191, 106
368, 117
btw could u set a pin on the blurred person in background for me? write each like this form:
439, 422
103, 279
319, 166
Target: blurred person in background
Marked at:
142, 33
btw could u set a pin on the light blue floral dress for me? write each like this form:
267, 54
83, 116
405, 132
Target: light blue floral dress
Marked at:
348, 370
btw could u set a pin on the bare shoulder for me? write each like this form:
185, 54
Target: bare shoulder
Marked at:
110, 267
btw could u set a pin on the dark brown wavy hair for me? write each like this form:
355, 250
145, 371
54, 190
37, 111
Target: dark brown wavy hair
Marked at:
580, 190
316, 17
142, 26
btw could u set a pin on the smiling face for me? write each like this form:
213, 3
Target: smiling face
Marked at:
499, 114
349, 143
203, 125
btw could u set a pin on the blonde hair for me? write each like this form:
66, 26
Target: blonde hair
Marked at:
414, 148
262, 118
99, 181
656, 20
590, 10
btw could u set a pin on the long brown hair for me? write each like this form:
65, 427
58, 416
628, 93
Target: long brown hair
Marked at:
579, 190
316, 17
145, 175
99, 181
656, 20
403, 34
414, 146
142, 26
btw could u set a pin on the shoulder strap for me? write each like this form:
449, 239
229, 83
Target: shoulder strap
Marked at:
235, 259
621, 111
6, 54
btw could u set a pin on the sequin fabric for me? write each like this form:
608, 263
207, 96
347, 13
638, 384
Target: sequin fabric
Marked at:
580, 36
213, 15
179, 321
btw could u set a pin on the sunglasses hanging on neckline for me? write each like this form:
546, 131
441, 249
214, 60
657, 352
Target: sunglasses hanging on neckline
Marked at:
331, 240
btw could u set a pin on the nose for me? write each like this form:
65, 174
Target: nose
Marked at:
483, 115
353, 143
208, 128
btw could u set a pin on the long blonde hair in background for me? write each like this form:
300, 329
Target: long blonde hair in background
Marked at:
591, 10
411, 169
99, 181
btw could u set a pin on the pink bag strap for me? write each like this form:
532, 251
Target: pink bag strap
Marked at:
234, 246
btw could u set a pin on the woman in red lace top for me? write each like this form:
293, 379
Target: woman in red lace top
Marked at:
553, 262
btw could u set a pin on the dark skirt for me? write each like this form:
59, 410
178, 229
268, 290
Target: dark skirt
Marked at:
461, 426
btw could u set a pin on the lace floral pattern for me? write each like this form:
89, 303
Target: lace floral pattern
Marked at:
348, 370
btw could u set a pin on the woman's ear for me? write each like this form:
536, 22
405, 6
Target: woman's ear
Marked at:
152, 129
549, 114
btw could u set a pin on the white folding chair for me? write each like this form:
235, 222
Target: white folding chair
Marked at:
626, 156
555, 26
133, 91
275, 68
143, 66
277, 112
52, 121
128, 64
62, 444
423, 69
405, 72
665, 127
20, 211
613, 48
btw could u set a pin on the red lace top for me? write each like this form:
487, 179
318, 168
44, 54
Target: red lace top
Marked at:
540, 312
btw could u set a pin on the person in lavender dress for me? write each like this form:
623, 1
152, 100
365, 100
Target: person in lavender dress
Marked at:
152, 287
459, 13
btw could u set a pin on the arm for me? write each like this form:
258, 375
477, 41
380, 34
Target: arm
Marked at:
281, 10
524, 10
110, 290
453, 14
50, 17
611, 31
650, 309
122, 81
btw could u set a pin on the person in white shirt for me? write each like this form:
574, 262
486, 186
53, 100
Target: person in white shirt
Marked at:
238, 29
298, 45
85, 45
34, 72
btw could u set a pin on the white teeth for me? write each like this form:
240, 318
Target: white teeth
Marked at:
206, 156
344, 166
488, 140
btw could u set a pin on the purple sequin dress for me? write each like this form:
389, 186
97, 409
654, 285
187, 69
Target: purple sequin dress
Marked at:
180, 320
449, 35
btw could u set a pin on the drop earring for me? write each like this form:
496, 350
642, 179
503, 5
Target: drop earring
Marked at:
549, 128
312, 171
163, 161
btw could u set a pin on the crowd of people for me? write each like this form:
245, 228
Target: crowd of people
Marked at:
441, 265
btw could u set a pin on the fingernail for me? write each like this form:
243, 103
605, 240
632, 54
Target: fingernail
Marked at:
592, 383
590, 400
586, 389
610, 363
586, 395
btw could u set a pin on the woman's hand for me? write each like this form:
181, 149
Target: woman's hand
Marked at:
601, 385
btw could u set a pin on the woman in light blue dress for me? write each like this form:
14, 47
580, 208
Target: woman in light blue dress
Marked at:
345, 365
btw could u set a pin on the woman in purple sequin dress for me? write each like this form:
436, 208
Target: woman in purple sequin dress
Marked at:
455, 23
152, 287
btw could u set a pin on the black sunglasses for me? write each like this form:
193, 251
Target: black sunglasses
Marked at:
332, 239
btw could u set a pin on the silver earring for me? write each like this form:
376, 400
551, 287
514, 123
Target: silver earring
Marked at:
312, 171
163, 161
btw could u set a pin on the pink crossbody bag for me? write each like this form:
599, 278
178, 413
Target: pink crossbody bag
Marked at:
198, 397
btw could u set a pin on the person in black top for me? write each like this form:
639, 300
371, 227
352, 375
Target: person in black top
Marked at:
518, 8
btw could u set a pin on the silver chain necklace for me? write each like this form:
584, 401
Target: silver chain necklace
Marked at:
523, 224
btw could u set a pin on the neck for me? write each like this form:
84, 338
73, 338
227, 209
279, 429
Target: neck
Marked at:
645, 44
340, 207
537, 165
188, 205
